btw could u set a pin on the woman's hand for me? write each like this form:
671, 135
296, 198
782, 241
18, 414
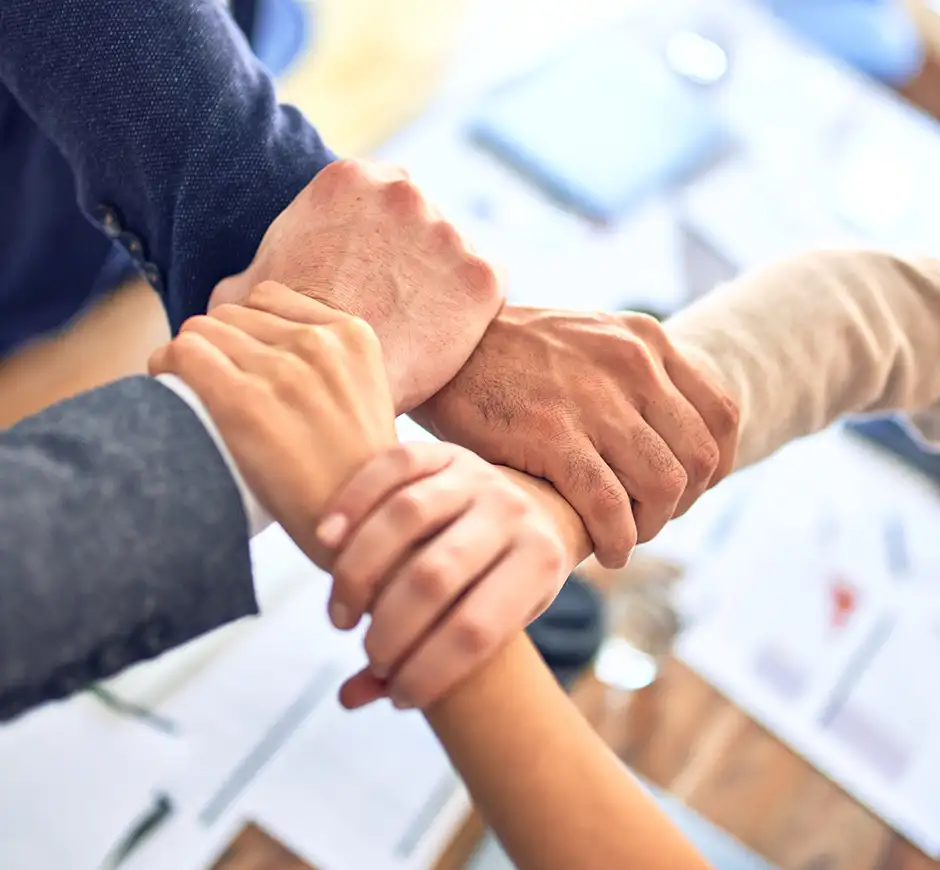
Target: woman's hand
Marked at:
450, 557
298, 392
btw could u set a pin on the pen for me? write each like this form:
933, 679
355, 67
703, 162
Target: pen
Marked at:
156, 815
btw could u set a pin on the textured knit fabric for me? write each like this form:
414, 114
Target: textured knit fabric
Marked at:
807, 341
122, 534
179, 149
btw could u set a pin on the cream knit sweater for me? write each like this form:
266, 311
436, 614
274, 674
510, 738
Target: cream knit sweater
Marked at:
819, 336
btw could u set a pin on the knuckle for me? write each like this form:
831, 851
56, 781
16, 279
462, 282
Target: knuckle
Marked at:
674, 480
728, 416
405, 460
584, 472
184, 344
430, 577
480, 280
445, 234
474, 634
403, 195
264, 293
285, 379
358, 335
646, 326
307, 343
513, 503
224, 311
345, 169
704, 461
408, 511
637, 357
551, 557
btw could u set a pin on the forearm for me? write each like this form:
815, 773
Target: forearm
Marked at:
555, 795
814, 338
121, 536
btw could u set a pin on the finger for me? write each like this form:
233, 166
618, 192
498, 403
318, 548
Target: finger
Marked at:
431, 582
689, 440
377, 547
593, 489
157, 363
280, 301
492, 614
243, 349
375, 481
270, 329
716, 408
647, 468
361, 689
199, 364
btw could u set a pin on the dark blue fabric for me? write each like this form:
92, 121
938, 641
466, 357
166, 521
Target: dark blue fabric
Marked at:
171, 135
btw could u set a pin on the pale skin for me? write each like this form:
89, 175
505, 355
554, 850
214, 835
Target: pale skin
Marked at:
552, 791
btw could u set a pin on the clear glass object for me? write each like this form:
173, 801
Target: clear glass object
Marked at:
642, 624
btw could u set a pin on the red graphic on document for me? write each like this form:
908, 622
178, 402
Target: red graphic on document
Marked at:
844, 602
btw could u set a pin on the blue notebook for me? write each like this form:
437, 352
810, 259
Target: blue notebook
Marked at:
601, 127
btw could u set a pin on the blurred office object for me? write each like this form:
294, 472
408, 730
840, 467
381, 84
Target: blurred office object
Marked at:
878, 37
642, 624
375, 66
280, 31
601, 127
829, 624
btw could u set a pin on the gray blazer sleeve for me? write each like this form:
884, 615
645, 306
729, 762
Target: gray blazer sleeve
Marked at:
122, 534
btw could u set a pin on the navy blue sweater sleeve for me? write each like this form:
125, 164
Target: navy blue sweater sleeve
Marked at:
171, 126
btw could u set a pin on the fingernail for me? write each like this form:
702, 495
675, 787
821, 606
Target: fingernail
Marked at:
341, 615
332, 529
380, 672
400, 701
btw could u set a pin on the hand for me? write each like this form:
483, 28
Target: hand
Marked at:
602, 406
451, 559
298, 393
362, 239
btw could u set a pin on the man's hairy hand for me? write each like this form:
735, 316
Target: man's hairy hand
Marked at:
362, 239
601, 405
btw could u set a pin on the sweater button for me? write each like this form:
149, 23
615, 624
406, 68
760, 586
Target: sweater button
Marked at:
107, 218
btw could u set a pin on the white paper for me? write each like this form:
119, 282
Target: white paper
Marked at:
75, 779
271, 744
829, 626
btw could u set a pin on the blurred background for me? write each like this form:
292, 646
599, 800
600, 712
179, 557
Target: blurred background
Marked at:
782, 700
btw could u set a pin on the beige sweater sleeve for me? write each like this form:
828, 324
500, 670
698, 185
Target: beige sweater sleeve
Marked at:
816, 337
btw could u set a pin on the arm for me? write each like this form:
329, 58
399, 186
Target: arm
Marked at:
797, 346
172, 129
182, 153
553, 792
121, 535
811, 339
